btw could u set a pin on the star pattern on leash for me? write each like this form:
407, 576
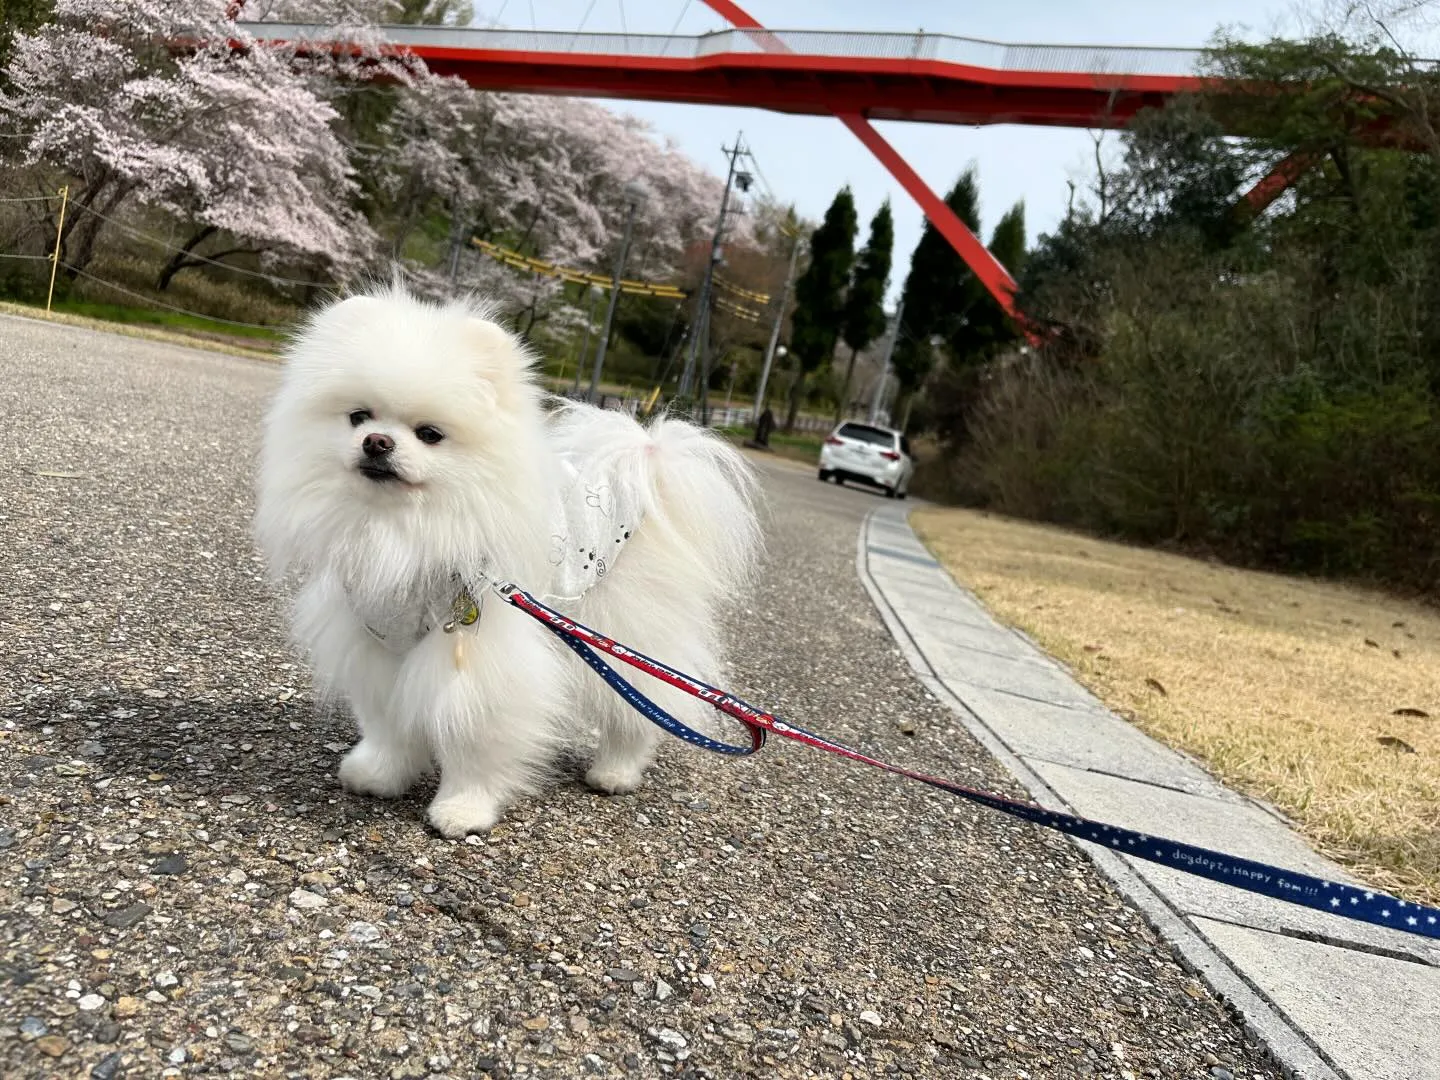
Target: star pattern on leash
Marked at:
1247, 874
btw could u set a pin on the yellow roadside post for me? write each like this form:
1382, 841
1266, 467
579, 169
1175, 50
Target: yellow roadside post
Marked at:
55, 256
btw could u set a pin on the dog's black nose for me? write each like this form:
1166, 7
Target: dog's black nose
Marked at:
377, 445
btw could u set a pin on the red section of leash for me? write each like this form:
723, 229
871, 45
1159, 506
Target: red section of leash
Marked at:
1293, 887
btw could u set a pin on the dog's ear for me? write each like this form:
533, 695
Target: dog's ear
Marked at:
500, 360
493, 344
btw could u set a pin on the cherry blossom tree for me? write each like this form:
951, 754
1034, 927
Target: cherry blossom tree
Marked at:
276, 176
551, 180
227, 136
299, 151
423, 155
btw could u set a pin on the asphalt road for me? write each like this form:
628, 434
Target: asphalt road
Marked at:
185, 890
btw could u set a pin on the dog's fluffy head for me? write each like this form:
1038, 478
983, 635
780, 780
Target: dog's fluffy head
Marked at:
401, 443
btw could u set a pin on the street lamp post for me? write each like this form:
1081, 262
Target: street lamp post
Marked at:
585, 346
770, 350
633, 194
885, 368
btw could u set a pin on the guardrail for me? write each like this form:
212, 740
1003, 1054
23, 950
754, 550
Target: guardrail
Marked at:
947, 48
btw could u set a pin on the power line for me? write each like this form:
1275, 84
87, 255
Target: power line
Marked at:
764, 180
141, 235
680, 18
743, 293
161, 303
520, 261
737, 310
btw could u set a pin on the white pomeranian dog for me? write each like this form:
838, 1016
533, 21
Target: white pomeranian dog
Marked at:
407, 461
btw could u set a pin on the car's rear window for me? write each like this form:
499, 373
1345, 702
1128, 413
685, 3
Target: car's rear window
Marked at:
867, 434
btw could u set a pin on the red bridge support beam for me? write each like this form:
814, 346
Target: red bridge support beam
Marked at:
967, 245
1275, 183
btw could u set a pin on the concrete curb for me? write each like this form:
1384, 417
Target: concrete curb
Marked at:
1294, 1051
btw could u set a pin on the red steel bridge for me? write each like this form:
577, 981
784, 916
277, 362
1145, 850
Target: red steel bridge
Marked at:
931, 78
855, 77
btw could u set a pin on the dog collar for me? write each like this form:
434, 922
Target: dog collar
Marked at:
463, 610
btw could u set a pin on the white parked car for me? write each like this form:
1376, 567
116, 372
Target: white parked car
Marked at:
868, 454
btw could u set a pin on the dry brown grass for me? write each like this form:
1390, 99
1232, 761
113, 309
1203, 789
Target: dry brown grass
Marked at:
1287, 689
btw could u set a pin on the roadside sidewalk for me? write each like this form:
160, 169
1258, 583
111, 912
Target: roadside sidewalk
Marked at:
1332, 998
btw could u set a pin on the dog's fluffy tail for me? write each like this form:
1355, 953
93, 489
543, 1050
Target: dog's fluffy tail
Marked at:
699, 529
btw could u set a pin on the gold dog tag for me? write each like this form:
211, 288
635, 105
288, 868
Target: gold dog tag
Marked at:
464, 611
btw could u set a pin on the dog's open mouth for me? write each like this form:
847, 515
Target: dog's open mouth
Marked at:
380, 472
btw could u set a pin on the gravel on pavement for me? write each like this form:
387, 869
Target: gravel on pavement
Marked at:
185, 890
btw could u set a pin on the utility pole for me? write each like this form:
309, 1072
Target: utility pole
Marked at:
674, 355
633, 193
585, 348
687, 377
885, 368
775, 330
457, 232
705, 369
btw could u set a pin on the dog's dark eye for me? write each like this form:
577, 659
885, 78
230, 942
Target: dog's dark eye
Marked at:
359, 416
427, 434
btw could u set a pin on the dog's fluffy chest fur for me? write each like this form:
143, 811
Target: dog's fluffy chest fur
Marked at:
591, 522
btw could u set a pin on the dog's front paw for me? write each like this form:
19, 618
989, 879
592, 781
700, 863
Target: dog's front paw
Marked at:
368, 770
614, 778
459, 815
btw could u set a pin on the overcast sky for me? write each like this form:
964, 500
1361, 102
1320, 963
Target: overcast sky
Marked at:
807, 159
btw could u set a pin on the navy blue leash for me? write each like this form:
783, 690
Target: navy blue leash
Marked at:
1363, 905
654, 713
